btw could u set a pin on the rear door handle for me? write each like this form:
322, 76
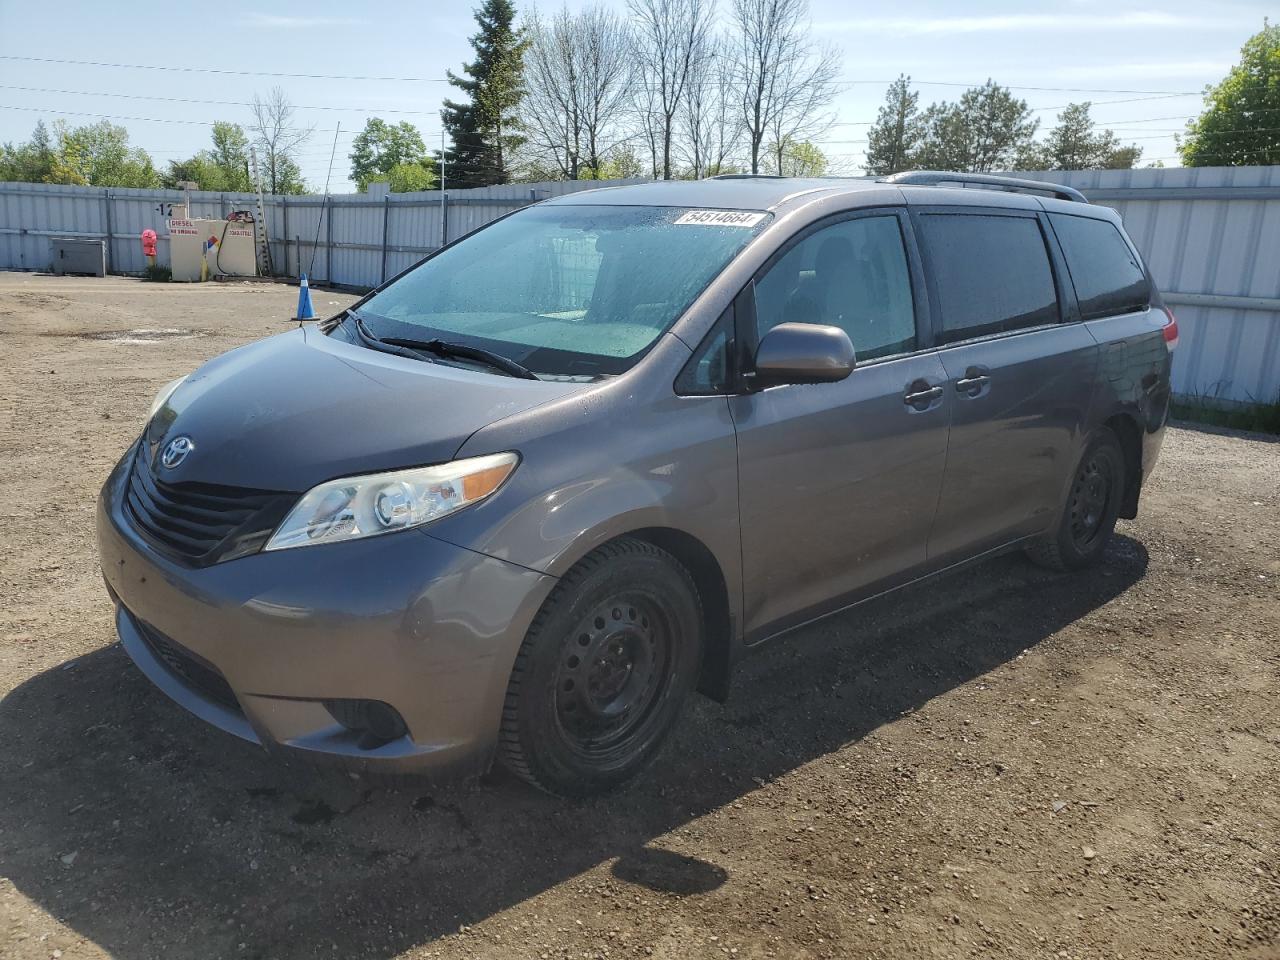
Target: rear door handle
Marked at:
922, 397
972, 384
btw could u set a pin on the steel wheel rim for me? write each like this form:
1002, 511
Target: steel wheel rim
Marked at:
1091, 499
612, 674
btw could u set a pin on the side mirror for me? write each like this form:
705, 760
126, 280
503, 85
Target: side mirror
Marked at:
802, 353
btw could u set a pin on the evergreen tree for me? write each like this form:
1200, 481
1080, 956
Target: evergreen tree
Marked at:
485, 130
1242, 113
988, 129
893, 139
1075, 145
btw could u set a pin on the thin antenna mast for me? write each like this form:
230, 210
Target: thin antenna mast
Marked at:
325, 210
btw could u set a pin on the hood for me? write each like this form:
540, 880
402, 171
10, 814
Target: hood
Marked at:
296, 409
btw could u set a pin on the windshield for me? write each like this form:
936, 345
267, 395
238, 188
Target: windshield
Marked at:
568, 291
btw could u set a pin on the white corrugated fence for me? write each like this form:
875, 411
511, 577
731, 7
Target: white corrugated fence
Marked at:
1211, 236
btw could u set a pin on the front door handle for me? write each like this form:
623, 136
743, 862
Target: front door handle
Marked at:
975, 381
972, 384
920, 398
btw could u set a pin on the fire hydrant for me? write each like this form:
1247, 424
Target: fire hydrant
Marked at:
149, 246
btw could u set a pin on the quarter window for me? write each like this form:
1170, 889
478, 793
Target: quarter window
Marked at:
853, 275
992, 274
1107, 276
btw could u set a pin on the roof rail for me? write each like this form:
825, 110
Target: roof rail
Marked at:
747, 176
1012, 184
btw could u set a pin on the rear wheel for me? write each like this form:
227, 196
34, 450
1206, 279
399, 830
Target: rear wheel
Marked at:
1093, 505
601, 675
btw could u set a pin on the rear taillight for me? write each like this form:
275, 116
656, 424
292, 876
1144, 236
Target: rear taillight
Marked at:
1170, 330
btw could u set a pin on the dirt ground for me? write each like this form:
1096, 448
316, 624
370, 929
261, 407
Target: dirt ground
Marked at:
1005, 763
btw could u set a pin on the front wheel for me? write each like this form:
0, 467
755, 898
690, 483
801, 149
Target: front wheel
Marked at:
1093, 505
600, 678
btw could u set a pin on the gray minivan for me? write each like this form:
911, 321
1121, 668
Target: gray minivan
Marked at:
521, 500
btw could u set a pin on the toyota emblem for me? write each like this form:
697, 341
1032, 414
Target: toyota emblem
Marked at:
175, 451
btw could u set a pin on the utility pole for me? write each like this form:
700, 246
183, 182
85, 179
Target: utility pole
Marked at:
444, 213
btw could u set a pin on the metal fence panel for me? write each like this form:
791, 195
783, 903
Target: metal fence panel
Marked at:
1211, 236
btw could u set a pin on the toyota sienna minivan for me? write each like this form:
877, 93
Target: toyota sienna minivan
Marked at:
522, 500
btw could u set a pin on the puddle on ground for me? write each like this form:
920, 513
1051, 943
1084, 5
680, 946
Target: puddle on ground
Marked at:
142, 335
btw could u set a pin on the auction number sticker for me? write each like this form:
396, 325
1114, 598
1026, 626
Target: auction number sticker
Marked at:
720, 218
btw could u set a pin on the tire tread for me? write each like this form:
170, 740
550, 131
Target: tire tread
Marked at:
510, 751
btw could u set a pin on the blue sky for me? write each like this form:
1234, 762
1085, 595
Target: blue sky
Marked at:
1155, 53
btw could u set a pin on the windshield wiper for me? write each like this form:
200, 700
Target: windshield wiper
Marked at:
445, 349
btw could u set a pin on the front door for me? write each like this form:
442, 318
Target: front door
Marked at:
1021, 378
838, 482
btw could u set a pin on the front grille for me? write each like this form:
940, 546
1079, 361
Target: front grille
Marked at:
202, 522
200, 675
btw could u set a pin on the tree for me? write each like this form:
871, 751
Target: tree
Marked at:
1241, 120
382, 146
30, 162
785, 81
1075, 145
225, 166
987, 129
895, 136
799, 159
278, 138
411, 177
485, 130
668, 35
621, 164
230, 154
99, 155
712, 124
578, 75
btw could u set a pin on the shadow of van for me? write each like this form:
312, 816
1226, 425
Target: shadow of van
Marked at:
150, 833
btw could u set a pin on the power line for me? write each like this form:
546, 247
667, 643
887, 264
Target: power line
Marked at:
1014, 86
224, 103
222, 71
117, 116
1059, 106
332, 76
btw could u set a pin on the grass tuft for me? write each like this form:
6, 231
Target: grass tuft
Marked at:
1257, 416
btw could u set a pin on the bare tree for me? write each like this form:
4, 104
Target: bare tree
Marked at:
711, 120
551, 112
668, 36
578, 73
785, 80
278, 137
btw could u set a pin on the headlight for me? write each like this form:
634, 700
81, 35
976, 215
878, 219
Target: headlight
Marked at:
165, 393
366, 506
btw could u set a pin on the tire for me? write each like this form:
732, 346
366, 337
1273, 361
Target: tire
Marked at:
603, 671
1093, 504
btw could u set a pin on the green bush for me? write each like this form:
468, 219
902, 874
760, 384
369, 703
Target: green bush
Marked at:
157, 273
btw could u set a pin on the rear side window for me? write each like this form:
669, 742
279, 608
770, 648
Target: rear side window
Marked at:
992, 274
1107, 276
852, 274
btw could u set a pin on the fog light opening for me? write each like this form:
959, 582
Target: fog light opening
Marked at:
377, 722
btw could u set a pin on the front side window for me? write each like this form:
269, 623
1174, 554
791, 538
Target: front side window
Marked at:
1107, 276
992, 273
853, 275
567, 291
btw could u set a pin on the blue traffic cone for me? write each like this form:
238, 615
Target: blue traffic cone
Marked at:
305, 310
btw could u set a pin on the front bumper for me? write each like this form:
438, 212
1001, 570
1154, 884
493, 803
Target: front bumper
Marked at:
427, 627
